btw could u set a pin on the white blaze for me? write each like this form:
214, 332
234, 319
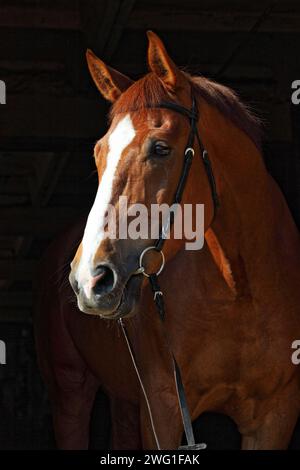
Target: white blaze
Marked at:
94, 233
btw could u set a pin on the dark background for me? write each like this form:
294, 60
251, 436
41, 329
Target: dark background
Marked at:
54, 115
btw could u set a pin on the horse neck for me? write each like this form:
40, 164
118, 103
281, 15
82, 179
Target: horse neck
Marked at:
253, 223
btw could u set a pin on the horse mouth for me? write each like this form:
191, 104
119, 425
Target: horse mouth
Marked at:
129, 299
126, 306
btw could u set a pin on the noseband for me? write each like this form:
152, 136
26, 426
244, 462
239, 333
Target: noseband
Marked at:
192, 115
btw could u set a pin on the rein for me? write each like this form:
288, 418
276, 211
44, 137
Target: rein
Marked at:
192, 115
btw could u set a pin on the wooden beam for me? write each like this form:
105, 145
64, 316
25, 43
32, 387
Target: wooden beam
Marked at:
20, 66
38, 177
46, 222
13, 199
15, 299
59, 168
13, 314
40, 17
65, 117
135, 69
53, 44
103, 24
17, 269
66, 186
120, 23
231, 21
98, 22
43, 144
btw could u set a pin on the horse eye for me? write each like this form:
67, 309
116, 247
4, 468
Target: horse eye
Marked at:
160, 149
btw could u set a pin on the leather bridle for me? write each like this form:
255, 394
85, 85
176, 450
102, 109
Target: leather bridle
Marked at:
192, 115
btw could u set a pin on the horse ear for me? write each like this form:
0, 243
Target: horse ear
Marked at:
161, 64
109, 81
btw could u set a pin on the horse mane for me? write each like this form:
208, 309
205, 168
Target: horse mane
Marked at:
229, 104
149, 91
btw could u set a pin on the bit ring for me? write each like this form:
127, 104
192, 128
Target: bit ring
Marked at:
141, 267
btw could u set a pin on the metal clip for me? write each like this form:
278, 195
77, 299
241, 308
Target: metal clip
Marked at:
193, 447
156, 293
140, 270
189, 149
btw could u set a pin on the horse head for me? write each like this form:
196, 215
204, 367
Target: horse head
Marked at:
139, 162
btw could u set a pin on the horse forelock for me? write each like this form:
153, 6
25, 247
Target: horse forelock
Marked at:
146, 92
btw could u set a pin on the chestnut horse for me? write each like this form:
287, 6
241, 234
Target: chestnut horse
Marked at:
232, 308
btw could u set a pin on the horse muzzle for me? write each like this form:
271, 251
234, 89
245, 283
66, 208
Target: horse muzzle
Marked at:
106, 293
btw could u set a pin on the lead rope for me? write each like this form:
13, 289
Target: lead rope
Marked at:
130, 349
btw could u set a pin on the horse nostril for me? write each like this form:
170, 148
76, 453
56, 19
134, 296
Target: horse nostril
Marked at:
103, 281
